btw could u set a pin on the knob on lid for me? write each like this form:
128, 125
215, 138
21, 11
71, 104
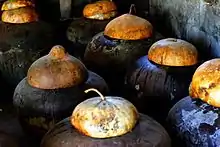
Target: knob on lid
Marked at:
57, 70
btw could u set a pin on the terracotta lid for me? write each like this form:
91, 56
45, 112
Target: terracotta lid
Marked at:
104, 117
173, 52
14, 4
129, 27
100, 10
206, 82
57, 70
20, 15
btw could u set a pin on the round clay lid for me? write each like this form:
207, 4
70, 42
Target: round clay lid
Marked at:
57, 70
129, 27
100, 10
20, 15
173, 52
15, 4
206, 82
104, 117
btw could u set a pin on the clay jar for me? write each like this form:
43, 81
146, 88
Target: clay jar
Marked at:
53, 87
95, 17
194, 120
114, 122
24, 38
157, 81
125, 39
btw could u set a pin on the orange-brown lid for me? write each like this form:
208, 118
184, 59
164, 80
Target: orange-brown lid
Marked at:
57, 70
129, 27
14, 4
206, 82
20, 15
173, 52
100, 10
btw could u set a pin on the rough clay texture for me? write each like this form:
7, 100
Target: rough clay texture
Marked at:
151, 86
54, 105
20, 46
195, 123
110, 57
147, 133
197, 21
115, 54
105, 52
81, 31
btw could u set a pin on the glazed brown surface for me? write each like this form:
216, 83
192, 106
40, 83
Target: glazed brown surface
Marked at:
129, 27
56, 70
173, 52
103, 9
20, 15
9, 5
205, 83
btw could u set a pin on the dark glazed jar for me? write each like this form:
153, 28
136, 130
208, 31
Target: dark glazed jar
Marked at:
157, 81
194, 120
125, 39
116, 122
95, 17
22, 40
53, 87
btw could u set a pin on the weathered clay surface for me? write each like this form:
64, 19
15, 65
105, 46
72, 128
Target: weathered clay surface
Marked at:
195, 123
151, 86
47, 106
40, 109
20, 46
110, 57
197, 21
147, 133
81, 31
104, 52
